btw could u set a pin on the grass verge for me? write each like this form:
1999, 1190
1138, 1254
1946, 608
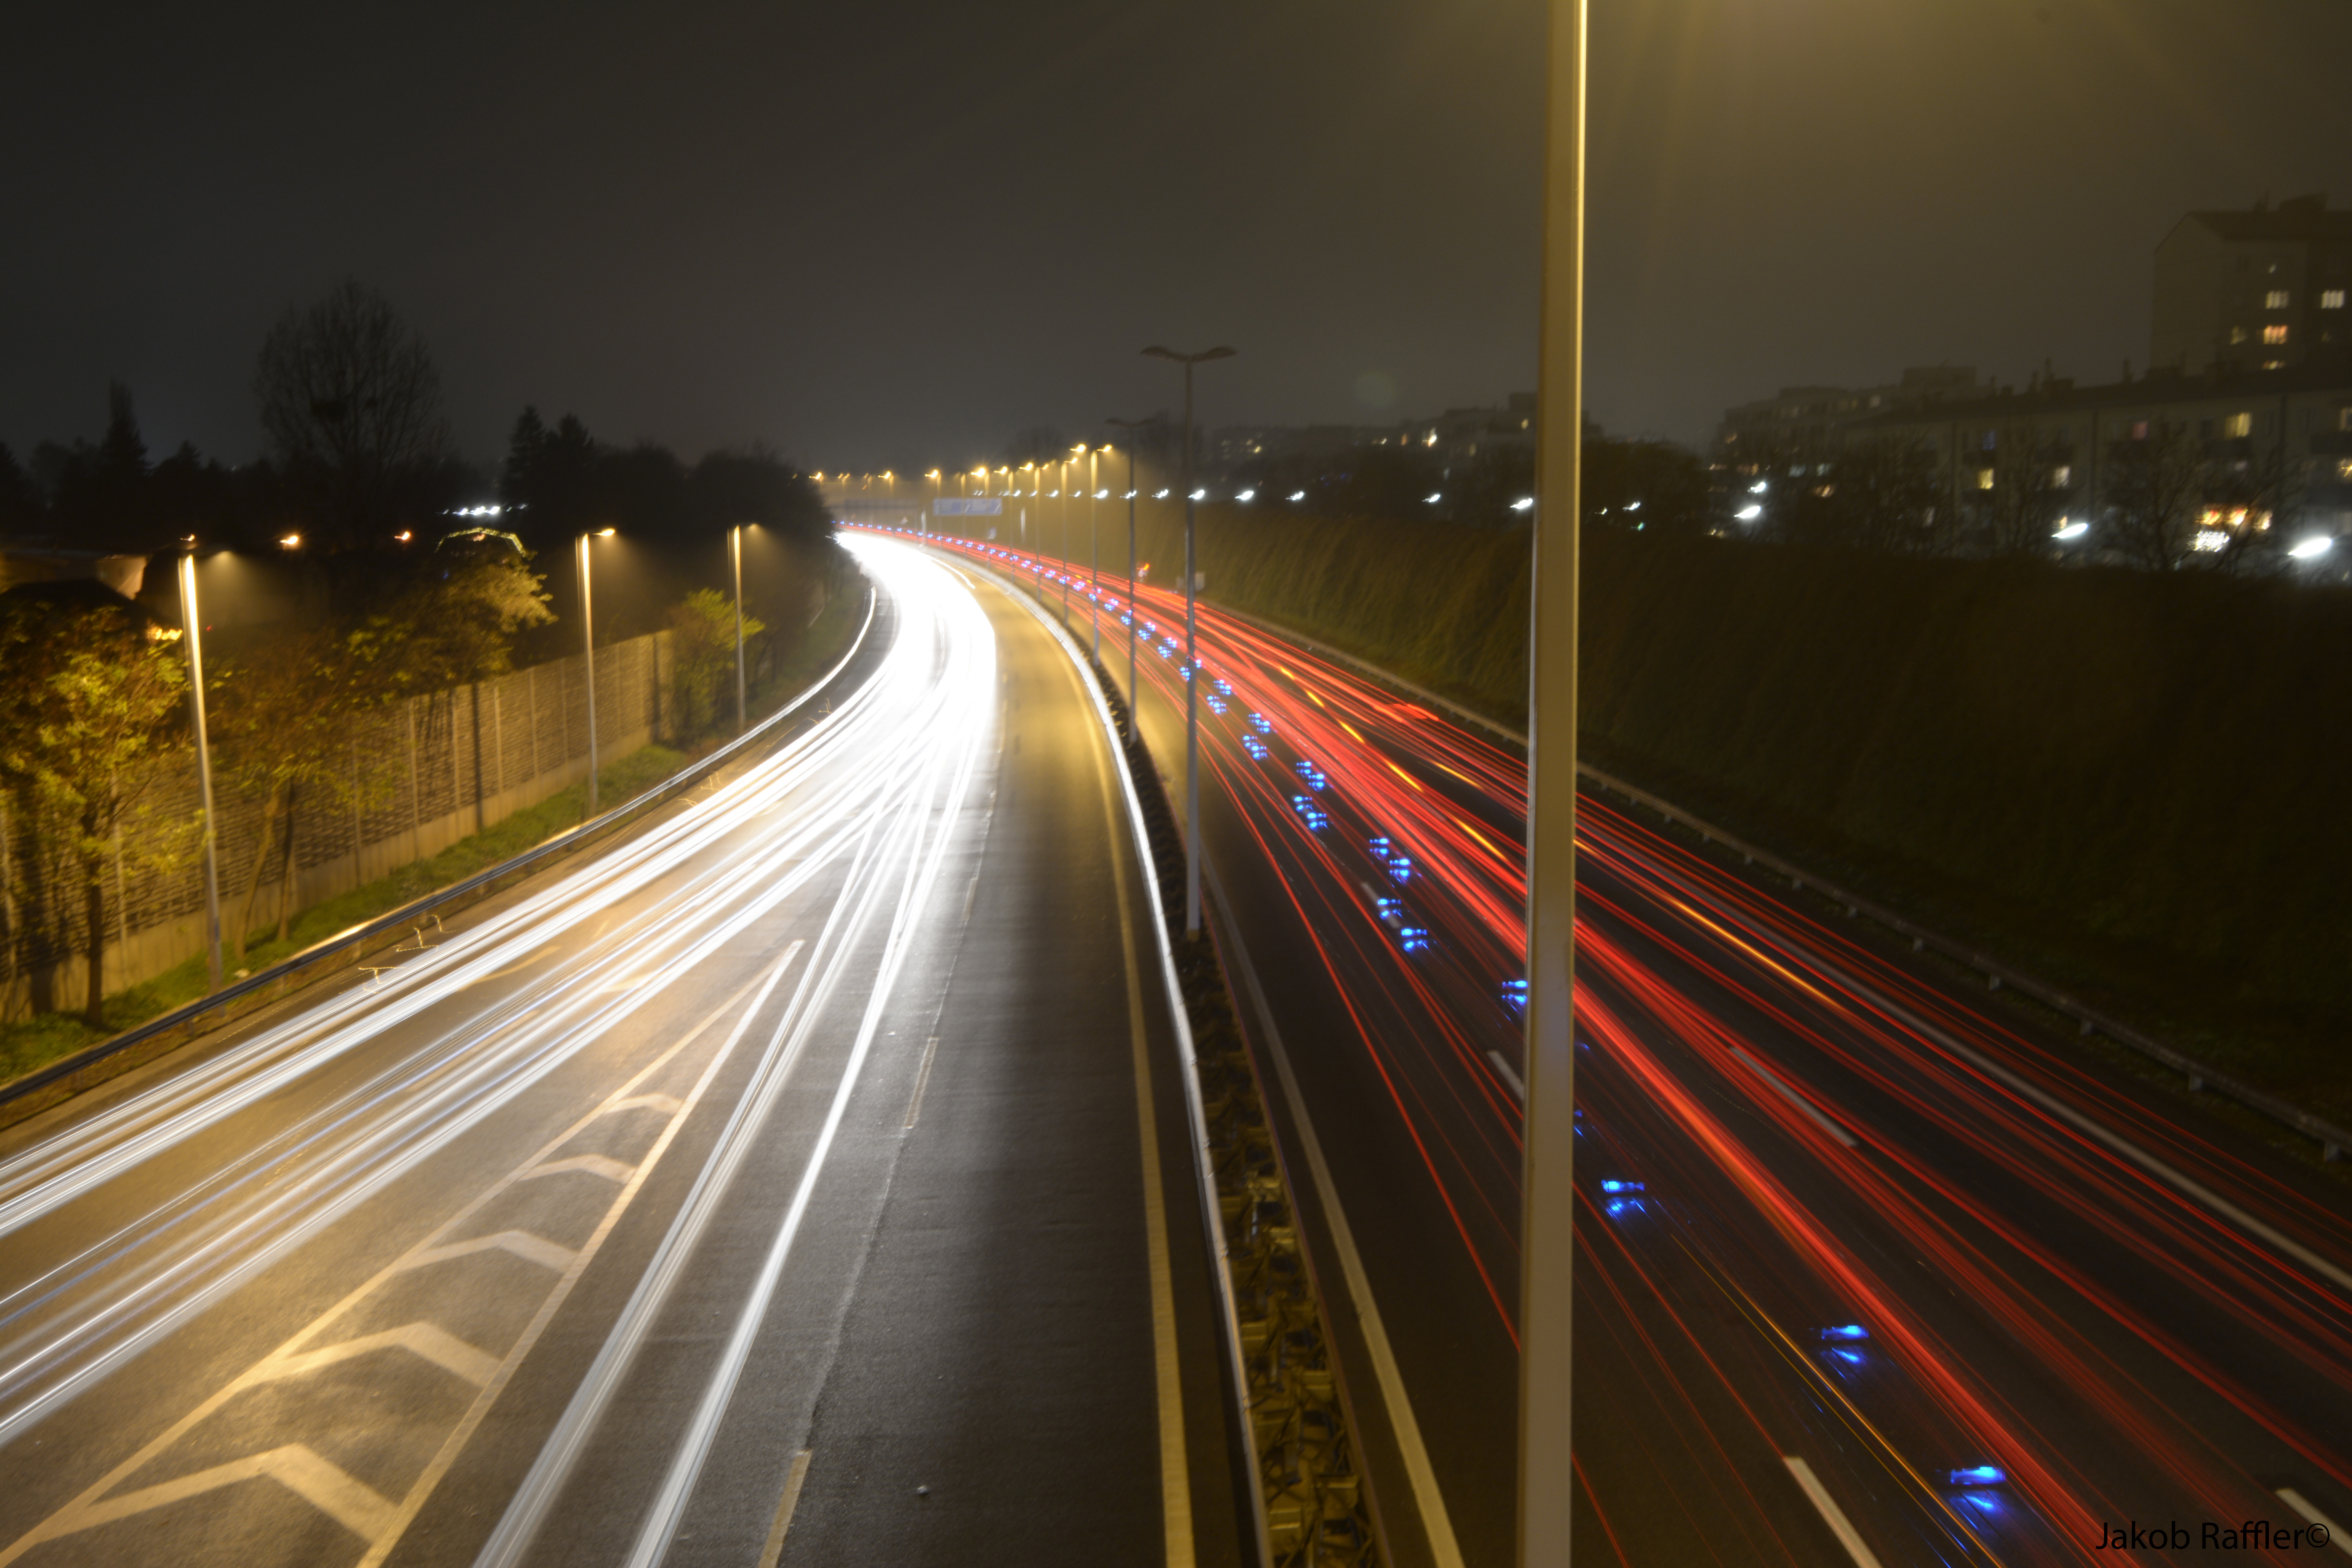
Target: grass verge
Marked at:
32, 1043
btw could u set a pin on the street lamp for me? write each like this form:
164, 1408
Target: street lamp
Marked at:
735, 560
1191, 668
190, 618
1547, 1210
1093, 544
1065, 496
1132, 695
588, 648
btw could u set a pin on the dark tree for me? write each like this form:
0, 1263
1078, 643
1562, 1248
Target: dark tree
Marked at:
1037, 443
2155, 485
2021, 512
20, 499
352, 402
90, 717
1652, 487
729, 488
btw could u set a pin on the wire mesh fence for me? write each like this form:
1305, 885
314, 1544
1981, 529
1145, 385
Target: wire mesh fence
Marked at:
422, 773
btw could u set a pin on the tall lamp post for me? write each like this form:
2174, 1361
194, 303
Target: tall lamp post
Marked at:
1548, 1149
1094, 545
1132, 695
735, 561
190, 618
1191, 668
588, 650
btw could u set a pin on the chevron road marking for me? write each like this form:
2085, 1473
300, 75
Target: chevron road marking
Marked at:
358, 1508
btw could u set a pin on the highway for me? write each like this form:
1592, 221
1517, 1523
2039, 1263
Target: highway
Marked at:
1868, 1271
805, 1179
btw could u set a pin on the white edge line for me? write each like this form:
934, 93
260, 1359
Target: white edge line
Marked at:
2310, 1511
1510, 1074
1427, 1495
1819, 1117
1832, 1515
1211, 1218
2187, 1186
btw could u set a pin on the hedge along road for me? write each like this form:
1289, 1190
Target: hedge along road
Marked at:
644, 1218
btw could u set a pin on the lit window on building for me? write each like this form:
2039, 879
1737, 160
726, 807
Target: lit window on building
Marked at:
2062, 476
2238, 426
2275, 334
2210, 539
2273, 364
2238, 334
2343, 470
2331, 299
1984, 478
2139, 428
2274, 300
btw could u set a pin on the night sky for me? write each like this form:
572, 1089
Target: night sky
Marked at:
876, 234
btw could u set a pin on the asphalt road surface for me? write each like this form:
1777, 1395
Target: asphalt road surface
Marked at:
805, 1179
1870, 1269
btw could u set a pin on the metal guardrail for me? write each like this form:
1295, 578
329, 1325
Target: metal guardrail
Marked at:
223, 1006
1311, 1507
2331, 1139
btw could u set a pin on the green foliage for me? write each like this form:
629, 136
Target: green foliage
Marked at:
33, 1042
283, 721
88, 705
702, 651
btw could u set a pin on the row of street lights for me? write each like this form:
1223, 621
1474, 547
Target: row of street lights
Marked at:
1192, 585
191, 619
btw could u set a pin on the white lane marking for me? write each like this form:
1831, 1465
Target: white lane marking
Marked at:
2180, 1181
602, 1165
922, 1077
521, 1243
1510, 1076
665, 1103
93, 1507
356, 1506
428, 1341
1832, 1515
775, 1549
1418, 1471
1818, 1118
2303, 1505
920, 831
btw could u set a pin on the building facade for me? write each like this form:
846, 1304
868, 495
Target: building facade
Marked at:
2258, 290
2284, 434
1808, 416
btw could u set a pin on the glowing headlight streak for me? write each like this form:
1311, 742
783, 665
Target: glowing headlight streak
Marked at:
801, 811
